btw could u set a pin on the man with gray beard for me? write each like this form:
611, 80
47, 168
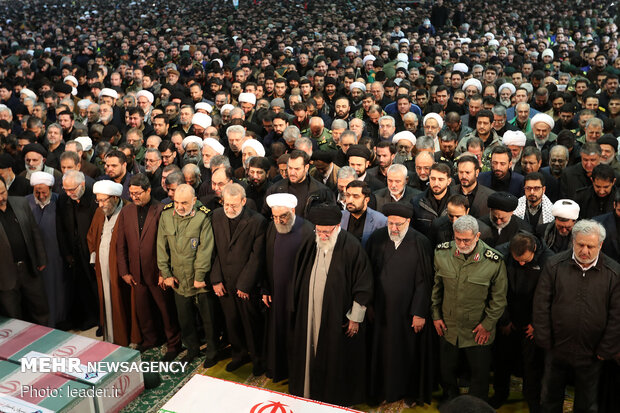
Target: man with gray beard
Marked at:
238, 267
332, 287
403, 278
285, 235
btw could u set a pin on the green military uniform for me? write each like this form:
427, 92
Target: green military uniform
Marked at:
184, 247
325, 141
468, 291
184, 250
140, 153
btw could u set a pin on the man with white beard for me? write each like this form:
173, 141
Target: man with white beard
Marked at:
238, 267
332, 287
34, 157
468, 298
285, 235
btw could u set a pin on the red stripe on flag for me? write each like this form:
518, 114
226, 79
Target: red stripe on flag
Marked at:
47, 381
22, 339
96, 352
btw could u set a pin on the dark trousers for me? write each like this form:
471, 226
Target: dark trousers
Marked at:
244, 324
507, 361
153, 304
83, 295
187, 307
479, 361
29, 294
557, 372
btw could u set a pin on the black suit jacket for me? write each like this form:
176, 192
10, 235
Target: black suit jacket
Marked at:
610, 245
34, 242
479, 207
240, 256
73, 222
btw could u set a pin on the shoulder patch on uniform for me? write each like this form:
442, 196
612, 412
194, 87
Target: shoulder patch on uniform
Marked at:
443, 246
490, 254
205, 209
168, 206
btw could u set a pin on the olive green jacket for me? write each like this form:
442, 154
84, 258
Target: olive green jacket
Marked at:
468, 291
184, 247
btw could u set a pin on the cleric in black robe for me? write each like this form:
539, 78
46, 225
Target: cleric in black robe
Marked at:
332, 287
403, 340
502, 221
285, 235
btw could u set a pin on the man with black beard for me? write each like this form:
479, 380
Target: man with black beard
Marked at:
258, 168
468, 170
285, 235
432, 203
504, 224
238, 267
357, 218
279, 124
501, 178
557, 234
193, 146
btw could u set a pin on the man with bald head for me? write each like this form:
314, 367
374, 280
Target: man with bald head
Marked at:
319, 134
184, 248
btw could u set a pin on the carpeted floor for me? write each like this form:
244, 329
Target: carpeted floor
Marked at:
152, 400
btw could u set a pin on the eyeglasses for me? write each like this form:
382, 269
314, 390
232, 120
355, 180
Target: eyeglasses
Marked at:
136, 194
396, 224
103, 201
281, 218
325, 231
68, 190
532, 188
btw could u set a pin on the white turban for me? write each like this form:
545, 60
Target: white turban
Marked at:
106, 91
565, 208
192, 138
473, 82
493, 43
350, 49
28, 92
203, 106
201, 119
358, 85
435, 116
402, 57
509, 86
254, 144
71, 79
227, 106
148, 95
247, 98
542, 117
86, 142
281, 200
547, 52
84, 103
516, 138
490, 35
215, 145
367, 58
406, 135
460, 67
44, 178
107, 187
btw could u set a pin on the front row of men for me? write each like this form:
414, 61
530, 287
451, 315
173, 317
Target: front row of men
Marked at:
345, 323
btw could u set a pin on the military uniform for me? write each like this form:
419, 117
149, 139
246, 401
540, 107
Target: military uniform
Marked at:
184, 250
325, 142
468, 290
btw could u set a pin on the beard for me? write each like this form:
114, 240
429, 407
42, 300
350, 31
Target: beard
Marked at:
285, 228
469, 250
329, 243
235, 215
190, 159
396, 238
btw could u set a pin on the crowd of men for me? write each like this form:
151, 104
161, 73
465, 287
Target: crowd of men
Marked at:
367, 200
